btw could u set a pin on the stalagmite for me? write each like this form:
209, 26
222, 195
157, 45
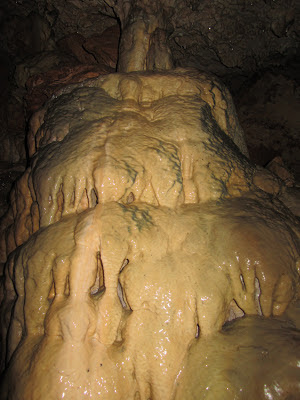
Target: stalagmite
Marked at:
144, 256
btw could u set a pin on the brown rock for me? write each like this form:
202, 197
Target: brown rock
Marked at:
268, 111
73, 44
266, 181
42, 86
104, 48
8, 174
278, 168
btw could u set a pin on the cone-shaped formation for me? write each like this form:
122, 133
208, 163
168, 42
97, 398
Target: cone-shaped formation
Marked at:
138, 230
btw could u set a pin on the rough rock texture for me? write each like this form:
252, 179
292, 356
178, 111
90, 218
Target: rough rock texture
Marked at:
138, 182
239, 35
42, 87
269, 114
12, 118
8, 175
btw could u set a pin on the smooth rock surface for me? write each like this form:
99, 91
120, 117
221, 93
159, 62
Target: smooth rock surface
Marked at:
138, 230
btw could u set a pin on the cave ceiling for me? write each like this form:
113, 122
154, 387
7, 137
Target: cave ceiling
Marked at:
228, 38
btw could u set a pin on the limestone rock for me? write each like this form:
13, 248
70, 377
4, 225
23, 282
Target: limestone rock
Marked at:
8, 175
12, 129
27, 35
73, 44
277, 167
138, 231
104, 47
41, 87
269, 115
249, 342
143, 255
38, 64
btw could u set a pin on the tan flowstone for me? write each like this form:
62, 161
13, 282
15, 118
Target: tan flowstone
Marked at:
139, 229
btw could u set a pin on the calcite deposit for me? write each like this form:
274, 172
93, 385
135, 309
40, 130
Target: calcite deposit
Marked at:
144, 252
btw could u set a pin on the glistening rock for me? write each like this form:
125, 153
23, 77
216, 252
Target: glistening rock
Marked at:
139, 229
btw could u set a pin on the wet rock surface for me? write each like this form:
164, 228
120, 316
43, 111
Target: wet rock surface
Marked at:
136, 182
247, 341
143, 255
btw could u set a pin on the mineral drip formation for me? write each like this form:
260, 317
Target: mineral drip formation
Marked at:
143, 255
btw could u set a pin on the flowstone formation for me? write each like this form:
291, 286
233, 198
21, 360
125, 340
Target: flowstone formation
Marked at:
144, 257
